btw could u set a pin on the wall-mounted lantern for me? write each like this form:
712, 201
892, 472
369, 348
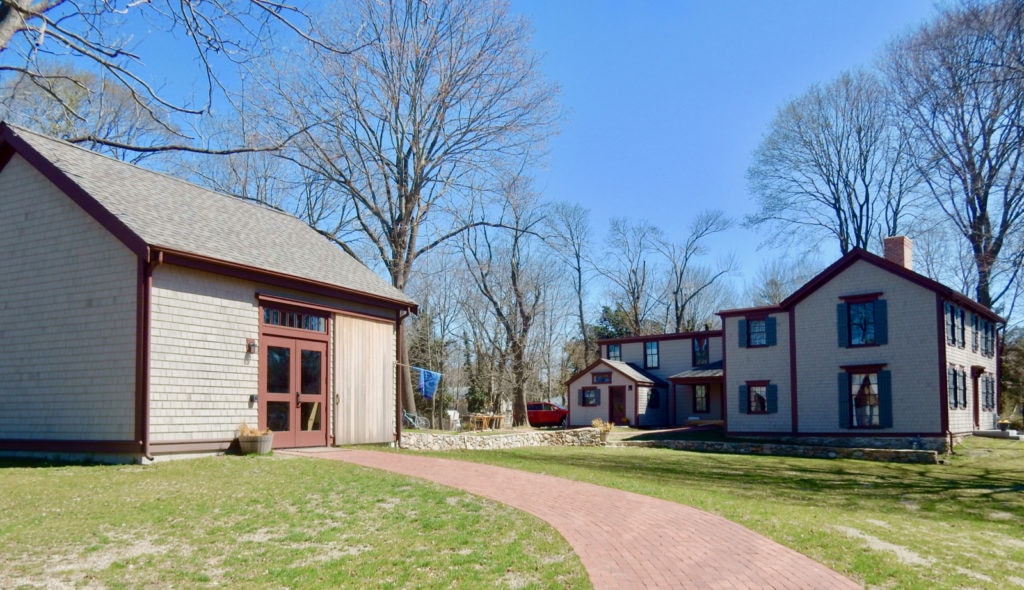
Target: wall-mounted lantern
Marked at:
251, 346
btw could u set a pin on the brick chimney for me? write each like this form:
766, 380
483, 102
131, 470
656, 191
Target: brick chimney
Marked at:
900, 249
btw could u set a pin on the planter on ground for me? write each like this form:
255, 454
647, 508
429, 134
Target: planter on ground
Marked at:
256, 444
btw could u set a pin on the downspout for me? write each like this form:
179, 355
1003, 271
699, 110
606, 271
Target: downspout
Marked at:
943, 384
143, 351
402, 314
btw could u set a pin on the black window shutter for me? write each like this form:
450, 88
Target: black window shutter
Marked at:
742, 333
773, 398
885, 399
744, 399
950, 324
963, 388
769, 331
951, 387
962, 342
881, 322
843, 325
844, 400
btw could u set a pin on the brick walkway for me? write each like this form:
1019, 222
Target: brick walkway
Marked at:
624, 540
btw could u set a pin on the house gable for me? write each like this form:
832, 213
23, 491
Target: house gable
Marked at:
909, 353
163, 218
68, 316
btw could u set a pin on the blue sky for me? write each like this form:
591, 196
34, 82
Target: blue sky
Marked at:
667, 100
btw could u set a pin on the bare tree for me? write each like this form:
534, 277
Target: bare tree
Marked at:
633, 280
411, 127
960, 90
40, 38
687, 281
102, 109
506, 270
834, 163
569, 236
778, 279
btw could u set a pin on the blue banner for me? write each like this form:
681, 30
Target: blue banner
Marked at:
428, 382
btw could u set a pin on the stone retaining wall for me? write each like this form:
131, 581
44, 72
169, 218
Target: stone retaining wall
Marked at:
807, 451
577, 437
588, 437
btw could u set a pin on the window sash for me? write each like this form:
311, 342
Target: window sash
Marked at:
615, 352
701, 352
757, 333
700, 399
861, 317
651, 355
850, 382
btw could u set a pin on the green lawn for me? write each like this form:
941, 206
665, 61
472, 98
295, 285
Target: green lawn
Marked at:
276, 522
956, 525
266, 522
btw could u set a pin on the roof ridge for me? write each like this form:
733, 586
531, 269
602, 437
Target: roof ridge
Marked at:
257, 204
155, 209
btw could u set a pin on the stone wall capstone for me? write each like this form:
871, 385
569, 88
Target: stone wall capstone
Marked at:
577, 437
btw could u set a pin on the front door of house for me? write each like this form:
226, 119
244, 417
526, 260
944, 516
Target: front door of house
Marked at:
617, 408
293, 391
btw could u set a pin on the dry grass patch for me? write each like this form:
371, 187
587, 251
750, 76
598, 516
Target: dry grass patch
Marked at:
268, 522
888, 525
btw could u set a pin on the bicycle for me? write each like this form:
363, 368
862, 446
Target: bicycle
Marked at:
415, 421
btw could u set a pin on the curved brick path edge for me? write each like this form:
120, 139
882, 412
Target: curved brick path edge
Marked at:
624, 540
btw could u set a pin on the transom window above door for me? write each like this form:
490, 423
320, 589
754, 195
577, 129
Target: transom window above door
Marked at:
287, 318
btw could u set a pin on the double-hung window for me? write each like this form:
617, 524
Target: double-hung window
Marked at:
759, 397
988, 392
700, 399
651, 355
956, 320
614, 352
988, 338
865, 397
862, 320
757, 332
701, 351
956, 387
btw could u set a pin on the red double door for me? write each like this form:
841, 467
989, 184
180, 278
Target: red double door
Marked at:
293, 391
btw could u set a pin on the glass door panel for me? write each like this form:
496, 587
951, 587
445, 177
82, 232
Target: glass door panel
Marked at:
311, 372
293, 391
279, 369
311, 398
279, 417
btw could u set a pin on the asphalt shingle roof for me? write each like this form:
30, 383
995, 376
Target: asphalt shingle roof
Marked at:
708, 371
173, 214
634, 373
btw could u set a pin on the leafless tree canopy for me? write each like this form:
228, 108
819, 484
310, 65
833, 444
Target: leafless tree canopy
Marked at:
631, 270
412, 126
568, 231
508, 269
960, 88
414, 131
834, 163
42, 41
71, 104
688, 280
